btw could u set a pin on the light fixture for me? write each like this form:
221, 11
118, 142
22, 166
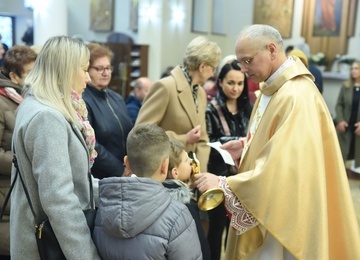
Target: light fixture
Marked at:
149, 13
178, 15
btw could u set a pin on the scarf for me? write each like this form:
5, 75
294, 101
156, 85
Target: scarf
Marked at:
194, 89
9, 89
11, 93
87, 131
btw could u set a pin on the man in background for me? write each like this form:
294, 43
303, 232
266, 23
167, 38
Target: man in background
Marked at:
135, 99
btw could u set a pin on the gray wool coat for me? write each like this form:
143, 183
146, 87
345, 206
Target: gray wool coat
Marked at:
54, 164
138, 219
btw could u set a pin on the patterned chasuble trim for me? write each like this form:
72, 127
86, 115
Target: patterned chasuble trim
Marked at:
240, 219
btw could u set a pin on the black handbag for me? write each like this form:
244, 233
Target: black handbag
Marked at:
46, 240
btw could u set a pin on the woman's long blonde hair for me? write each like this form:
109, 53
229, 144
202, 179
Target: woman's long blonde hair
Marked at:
55, 71
351, 81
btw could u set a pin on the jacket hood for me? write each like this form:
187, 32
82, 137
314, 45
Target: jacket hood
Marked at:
129, 205
178, 190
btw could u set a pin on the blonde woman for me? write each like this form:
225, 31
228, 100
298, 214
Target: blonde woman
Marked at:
348, 117
52, 153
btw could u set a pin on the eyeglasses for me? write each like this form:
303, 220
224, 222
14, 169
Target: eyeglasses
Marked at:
246, 62
101, 70
213, 68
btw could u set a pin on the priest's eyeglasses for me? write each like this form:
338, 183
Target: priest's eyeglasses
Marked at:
246, 62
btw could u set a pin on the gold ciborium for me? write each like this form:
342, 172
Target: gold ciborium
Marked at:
212, 197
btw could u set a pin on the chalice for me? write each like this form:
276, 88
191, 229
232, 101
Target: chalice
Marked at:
212, 197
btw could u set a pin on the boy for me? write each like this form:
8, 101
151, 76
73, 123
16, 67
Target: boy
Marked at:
137, 219
178, 173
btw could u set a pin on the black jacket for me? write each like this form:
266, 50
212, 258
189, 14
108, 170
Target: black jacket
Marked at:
110, 119
238, 125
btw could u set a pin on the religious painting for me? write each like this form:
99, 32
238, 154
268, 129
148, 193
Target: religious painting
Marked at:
101, 15
327, 18
278, 14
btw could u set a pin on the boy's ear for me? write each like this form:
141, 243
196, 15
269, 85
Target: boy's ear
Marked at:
127, 164
173, 173
164, 167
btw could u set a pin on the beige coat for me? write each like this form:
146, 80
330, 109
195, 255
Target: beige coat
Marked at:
170, 105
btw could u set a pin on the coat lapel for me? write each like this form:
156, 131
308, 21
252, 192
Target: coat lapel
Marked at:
185, 96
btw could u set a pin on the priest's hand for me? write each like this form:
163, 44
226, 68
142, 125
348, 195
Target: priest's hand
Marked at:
234, 147
205, 181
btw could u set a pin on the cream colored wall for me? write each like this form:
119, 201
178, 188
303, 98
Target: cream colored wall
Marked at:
167, 42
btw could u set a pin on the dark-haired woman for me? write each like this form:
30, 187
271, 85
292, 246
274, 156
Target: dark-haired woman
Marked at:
227, 118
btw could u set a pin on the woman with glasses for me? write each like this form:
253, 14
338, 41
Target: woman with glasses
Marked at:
227, 118
177, 102
108, 115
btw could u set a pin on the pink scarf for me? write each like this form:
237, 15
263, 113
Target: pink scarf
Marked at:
86, 130
11, 94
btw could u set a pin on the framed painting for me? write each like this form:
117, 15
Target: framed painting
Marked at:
278, 14
330, 35
327, 18
218, 15
200, 13
101, 15
134, 15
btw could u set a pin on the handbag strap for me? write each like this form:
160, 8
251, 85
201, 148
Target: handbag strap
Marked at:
222, 117
6, 201
12, 187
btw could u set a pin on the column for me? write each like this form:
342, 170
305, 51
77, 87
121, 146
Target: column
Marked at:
50, 19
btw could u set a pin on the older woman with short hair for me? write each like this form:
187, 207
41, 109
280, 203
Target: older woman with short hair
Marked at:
177, 103
108, 115
17, 64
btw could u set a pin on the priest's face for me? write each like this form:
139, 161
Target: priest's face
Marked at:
254, 59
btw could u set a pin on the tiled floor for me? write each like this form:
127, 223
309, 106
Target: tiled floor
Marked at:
354, 182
